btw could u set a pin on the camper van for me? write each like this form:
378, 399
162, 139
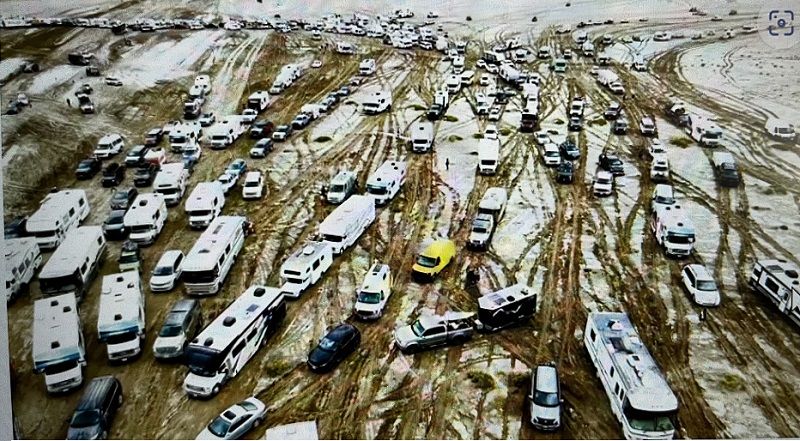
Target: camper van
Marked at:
780, 129
58, 213
121, 319
384, 183
453, 84
507, 307
378, 102
170, 182
305, 267
637, 390
374, 293
225, 132
777, 280
74, 264
673, 230
146, 218
704, 131
347, 222
259, 101
23, 258
225, 346
184, 135
205, 203
208, 262
509, 73
367, 67
341, 187
421, 137
345, 48
488, 156
58, 345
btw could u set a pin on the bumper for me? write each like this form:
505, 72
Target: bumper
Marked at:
65, 386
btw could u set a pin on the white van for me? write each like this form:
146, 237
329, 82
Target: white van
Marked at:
305, 267
205, 203
167, 271
421, 136
58, 345
341, 187
704, 130
367, 67
345, 48
374, 293
384, 183
488, 156
74, 264
146, 218
23, 258
347, 222
120, 319
780, 129
259, 101
663, 196
378, 102
109, 145
453, 84
170, 182
58, 213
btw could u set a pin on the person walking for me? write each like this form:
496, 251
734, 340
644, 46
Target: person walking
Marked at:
69, 103
447, 163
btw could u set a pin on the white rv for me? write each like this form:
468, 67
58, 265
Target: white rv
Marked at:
705, 131
345, 48
780, 129
58, 348
637, 390
74, 264
378, 102
347, 222
588, 49
581, 37
259, 101
488, 156
146, 218
367, 67
225, 132
778, 281
509, 73
23, 258
225, 346
58, 213
184, 136
208, 262
121, 319
341, 187
421, 136
384, 183
374, 293
305, 267
170, 182
673, 230
453, 84
205, 203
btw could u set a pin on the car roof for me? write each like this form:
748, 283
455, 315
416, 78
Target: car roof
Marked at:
169, 256
700, 271
341, 331
546, 378
604, 174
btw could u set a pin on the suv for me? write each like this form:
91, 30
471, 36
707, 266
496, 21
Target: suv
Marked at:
123, 198
261, 148
545, 398
136, 155
154, 136
87, 168
113, 175
114, 225
96, 410
182, 324
613, 111
167, 271
109, 146
145, 174
565, 173
611, 163
261, 129
569, 150
282, 133
435, 112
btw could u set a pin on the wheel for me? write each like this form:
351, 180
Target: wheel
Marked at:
104, 435
119, 400
215, 390
257, 422
413, 349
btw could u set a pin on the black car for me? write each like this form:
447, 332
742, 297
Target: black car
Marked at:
92, 71
611, 163
154, 136
144, 175
333, 97
575, 123
114, 227
88, 168
15, 228
96, 410
334, 347
613, 111
261, 129
435, 112
13, 108
122, 199
343, 91
135, 156
113, 174
84, 89
565, 173
569, 150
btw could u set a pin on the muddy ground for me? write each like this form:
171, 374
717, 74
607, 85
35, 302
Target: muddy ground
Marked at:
735, 374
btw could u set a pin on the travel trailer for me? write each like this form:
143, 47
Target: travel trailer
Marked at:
121, 316
170, 182
384, 183
781, 129
305, 267
74, 264
704, 130
211, 258
507, 307
58, 345
225, 346
58, 214
778, 281
146, 218
23, 258
183, 136
205, 203
225, 132
259, 101
378, 102
347, 222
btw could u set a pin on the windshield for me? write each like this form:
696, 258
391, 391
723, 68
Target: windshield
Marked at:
371, 298
170, 331
85, 165
199, 213
115, 219
122, 338
45, 234
141, 228
479, 229
784, 130
294, 280
219, 137
56, 285
252, 184
427, 262
712, 135
219, 427
177, 139
85, 418
377, 190
120, 196
417, 328
665, 200
680, 238
337, 188
162, 271
60, 367
199, 276
331, 238
649, 421
545, 399
166, 191
660, 168
328, 345
603, 181
706, 285
128, 257
487, 162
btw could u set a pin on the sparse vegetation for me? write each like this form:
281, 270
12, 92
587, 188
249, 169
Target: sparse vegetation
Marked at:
518, 380
477, 135
680, 141
469, 18
277, 367
505, 131
559, 121
481, 380
450, 118
598, 122
417, 107
323, 138
454, 138
733, 12
732, 382
774, 191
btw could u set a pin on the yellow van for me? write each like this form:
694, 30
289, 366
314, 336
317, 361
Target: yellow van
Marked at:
434, 259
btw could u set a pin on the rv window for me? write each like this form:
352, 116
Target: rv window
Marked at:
71, 212
84, 267
611, 372
238, 348
252, 334
771, 285
315, 265
228, 249
99, 240
592, 335
616, 389
81, 202
157, 216
221, 259
622, 395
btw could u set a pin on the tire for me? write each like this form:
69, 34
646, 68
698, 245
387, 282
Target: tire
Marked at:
104, 435
215, 390
257, 422
119, 400
413, 349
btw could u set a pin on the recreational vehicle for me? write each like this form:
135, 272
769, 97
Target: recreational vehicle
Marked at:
637, 390
378, 102
421, 136
259, 101
208, 262
74, 264
225, 132
341, 187
345, 48
23, 258
305, 267
507, 307
146, 217
367, 67
673, 230
347, 222
778, 281
170, 182
58, 347
184, 135
205, 203
121, 319
57, 215
225, 346
703, 130
384, 183
488, 156
780, 129
374, 293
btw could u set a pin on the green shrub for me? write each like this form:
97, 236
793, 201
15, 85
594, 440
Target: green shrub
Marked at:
481, 380
680, 141
598, 122
559, 121
323, 138
732, 382
450, 118
277, 367
477, 135
417, 107
454, 138
505, 131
